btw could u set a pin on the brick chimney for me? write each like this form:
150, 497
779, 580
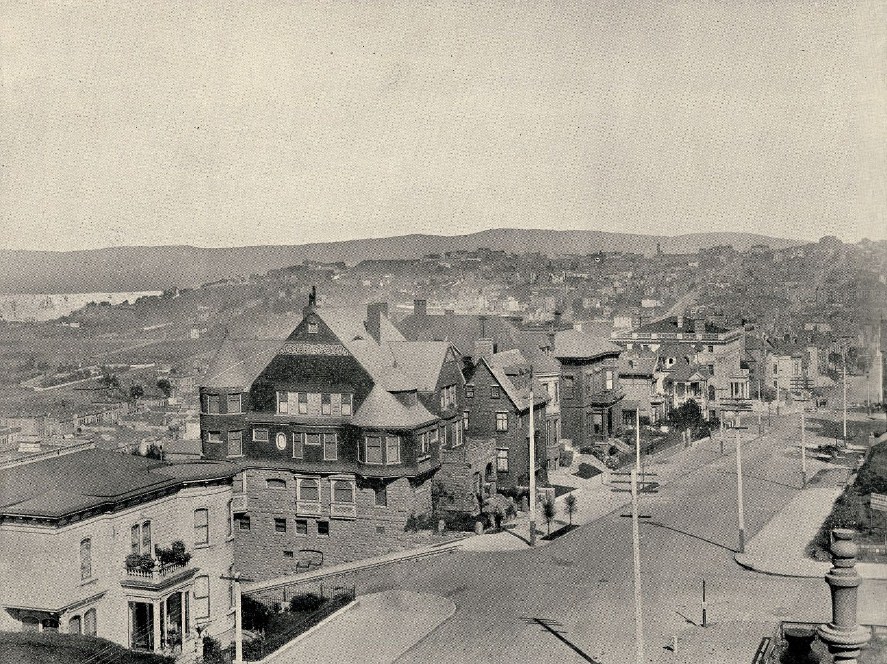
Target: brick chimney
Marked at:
375, 311
483, 348
420, 307
312, 302
681, 323
698, 326
557, 319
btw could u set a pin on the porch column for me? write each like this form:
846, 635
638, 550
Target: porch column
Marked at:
155, 623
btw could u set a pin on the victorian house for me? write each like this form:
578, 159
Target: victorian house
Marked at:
337, 429
590, 391
129, 549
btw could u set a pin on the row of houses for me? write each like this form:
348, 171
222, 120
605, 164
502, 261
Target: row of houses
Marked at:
321, 443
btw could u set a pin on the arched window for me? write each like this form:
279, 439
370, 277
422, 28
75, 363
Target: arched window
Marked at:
50, 625
90, 625
711, 392
343, 492
309, 490
74, 626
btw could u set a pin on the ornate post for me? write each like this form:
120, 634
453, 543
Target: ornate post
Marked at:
843, 635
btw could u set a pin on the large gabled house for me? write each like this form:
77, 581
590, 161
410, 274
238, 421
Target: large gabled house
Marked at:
497, 407
337, 429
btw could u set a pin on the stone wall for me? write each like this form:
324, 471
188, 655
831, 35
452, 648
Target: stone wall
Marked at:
267, 552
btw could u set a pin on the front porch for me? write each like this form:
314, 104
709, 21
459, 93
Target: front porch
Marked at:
162, 625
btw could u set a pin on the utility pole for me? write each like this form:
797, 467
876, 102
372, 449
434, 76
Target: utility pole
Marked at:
803, 452
238, 622
637, 436
532, 466
739, 490
704, 607
844, 364
636, 546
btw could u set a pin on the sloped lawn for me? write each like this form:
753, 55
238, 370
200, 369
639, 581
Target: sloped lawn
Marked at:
42, 647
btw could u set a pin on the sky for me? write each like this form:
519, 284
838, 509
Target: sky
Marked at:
224, 124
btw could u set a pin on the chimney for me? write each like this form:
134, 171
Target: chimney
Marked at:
375, 311
557, 318
312, 302
698, 326
681, 323
420, 307
483, 325
483, 348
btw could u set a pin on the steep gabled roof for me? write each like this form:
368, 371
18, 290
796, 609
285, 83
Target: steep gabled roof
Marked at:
462, 330
518, 395
381, 410
422, 361
236, 364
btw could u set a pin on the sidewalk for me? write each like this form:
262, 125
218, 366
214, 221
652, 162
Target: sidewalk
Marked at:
368, 626
779, 548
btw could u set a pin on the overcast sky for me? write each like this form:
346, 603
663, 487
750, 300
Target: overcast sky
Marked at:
278, 122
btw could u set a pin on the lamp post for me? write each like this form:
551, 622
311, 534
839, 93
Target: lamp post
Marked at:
636, 549
532, 466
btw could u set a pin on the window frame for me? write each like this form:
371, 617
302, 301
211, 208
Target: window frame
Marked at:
501, 460
301, 527
282, 403
501, 421
267, 435
279, 524
351, 487
495, 392
199, 599
213, 399
469, 391
334, 447
300, 482
86, 559
366, 448
388, 439
350, 404
326, 527
238, 433
230, 396
200, 527
275, 485
298, 445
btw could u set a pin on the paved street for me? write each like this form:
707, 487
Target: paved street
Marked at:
581, 584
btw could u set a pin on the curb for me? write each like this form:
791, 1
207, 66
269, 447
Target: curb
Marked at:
429, 632
743, 560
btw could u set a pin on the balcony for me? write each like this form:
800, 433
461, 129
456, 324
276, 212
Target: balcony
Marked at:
308, 508
160, 577
343, 510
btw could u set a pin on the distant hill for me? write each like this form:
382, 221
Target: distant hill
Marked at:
157, 268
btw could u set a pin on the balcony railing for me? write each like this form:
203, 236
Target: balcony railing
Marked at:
160, 576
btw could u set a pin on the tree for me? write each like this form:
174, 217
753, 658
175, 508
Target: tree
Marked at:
136, 391
548, 513
498, 508
687, 416
109, 379
164, 386
570, 506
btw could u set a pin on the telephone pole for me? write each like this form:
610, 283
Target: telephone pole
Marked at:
532, 466
636, 547
803, 452
739, 490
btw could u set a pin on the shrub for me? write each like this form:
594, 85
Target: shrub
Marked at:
566, 459
140, 563
570, 506
306, 603
174, 555
416, 523
256, 615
